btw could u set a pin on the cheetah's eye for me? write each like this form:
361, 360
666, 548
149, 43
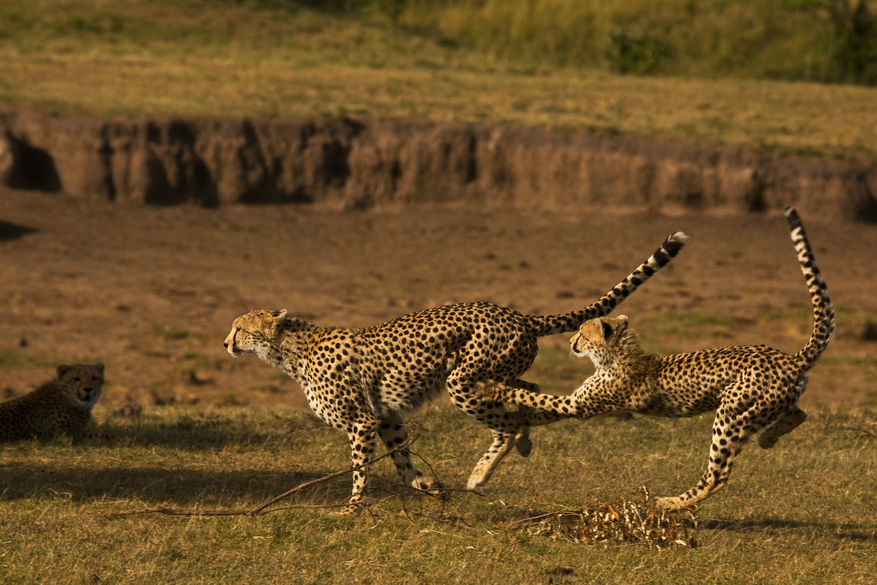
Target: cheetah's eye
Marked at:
607, 330
77, 379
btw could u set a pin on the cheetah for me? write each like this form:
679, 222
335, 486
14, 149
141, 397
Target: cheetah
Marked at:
60, 406
361, 381
754, 389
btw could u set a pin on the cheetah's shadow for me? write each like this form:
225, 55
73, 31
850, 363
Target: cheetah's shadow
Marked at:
841, 531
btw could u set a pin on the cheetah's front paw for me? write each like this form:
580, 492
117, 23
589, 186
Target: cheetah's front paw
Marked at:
433, 487
354, 506
523, 444
767, 442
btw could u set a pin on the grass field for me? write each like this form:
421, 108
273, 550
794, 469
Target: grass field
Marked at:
804, 512
277, 59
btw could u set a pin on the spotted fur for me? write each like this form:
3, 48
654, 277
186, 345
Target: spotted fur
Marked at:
754, 389
362, 381
61, 406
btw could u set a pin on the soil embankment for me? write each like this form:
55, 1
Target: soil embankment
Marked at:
345, 164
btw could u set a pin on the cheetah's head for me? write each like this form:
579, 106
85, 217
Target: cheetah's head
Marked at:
599, 338
254, 332
81, 384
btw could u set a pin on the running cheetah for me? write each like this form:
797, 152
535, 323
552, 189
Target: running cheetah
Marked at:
755, 389
362, 381
60, 406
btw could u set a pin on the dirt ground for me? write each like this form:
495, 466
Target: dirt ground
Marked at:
152, 291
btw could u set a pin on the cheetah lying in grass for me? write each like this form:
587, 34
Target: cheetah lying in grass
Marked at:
60, 406
362, 381
755, 389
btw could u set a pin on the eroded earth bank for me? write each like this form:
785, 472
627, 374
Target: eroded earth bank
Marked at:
358, 165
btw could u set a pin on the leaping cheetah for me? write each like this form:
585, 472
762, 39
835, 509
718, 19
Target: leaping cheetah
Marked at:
755, 389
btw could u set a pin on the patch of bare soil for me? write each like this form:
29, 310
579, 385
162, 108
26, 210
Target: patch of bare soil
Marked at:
152, 291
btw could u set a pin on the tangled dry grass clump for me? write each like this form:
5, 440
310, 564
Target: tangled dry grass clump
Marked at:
621, 521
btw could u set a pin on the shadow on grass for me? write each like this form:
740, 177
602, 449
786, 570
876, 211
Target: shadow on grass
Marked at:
239, 489
195, 439
841, 531
11, 231
132, 489
206, 433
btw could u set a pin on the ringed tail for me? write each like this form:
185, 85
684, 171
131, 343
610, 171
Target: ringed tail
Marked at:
823, 312
569, 322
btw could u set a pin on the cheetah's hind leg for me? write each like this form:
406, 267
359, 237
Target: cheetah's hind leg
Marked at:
730, 433
507, 428
394, 433
502, 444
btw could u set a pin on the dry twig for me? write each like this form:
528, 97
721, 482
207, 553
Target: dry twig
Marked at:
858, 430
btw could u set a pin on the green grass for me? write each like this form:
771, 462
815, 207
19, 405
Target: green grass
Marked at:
15, 358
760, 39
766, 39
280, 59
689, 325
22, 359
801, 513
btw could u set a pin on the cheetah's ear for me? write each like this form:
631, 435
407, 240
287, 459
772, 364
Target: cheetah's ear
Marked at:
100, 367
280, 317
622, 322
607, 329
62, 369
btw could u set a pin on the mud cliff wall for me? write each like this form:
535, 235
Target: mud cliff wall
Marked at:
378, 163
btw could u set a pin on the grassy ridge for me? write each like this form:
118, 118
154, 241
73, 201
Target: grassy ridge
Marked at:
818, 40
801, 513
279, 59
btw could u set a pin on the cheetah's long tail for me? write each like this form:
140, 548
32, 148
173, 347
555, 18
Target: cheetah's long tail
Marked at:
568, 322
823, 312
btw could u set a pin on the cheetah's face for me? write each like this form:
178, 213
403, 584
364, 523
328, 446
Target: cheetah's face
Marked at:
597, 337
81, 384
253, 332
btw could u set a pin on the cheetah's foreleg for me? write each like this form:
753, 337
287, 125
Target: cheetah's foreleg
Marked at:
362, 438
